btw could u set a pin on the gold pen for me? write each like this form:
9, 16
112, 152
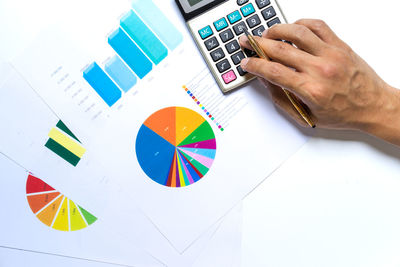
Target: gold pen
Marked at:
292, 98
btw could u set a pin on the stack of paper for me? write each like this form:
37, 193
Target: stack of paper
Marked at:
120, 148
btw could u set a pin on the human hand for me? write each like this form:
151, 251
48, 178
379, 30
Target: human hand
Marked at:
341, 90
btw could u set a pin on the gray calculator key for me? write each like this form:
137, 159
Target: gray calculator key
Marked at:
241, 71
273, 22
226, 35
237, 58
253, 21
268, 13
232, 46
211, 43
249, 53
262, 3
242, 2
217, 54
223, 66
258, 31
239, 28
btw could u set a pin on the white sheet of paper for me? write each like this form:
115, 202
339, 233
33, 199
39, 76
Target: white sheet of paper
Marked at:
257, 139
21, 229
223, 250
29, 119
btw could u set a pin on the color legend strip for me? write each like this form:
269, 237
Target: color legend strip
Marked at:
208, 113
54, 209
65, 144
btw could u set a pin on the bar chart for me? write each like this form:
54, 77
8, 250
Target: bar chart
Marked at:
144, 38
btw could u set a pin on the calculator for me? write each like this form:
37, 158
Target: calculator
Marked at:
216, 26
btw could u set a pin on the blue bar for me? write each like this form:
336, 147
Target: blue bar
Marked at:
102, 84
120, 73
130, 53
158, 22
144, 37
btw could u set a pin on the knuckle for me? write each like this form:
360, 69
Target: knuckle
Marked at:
329, 70
279, 47
319, 24
318, 94
275, 71
300, 32
301, 21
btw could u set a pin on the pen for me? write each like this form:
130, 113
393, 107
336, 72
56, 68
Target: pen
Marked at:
292, 98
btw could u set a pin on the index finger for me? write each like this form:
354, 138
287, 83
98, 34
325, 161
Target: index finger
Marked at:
300, 35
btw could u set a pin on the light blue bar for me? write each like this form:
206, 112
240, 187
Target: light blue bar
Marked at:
102, 84
120, 73
130, 53
158, 22
144, 37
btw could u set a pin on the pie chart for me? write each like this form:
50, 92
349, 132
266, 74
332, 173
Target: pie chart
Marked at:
176, 147
54, 209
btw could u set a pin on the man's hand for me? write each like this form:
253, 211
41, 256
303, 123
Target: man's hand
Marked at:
341, 89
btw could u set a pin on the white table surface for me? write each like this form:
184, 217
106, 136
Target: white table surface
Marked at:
335, 202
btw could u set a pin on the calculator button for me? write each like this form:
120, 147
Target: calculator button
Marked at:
249, 53
217, 54
241, 71
205, 32
223, 66
259, 31
232, 46
237, 58
242, 2
229, 77
247, 10
273, 22
239, 28
262, 3
226, 35
253, 21
268, 13
234, 17
220, 24
211, 43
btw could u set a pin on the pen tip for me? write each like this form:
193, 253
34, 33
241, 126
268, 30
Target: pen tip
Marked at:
246, 32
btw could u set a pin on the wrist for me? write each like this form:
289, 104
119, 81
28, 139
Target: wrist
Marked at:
383, 120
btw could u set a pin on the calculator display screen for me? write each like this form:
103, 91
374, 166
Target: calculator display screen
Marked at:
194, 2
193, 5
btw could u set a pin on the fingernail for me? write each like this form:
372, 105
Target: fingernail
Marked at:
264, 34
243, 39
244, 62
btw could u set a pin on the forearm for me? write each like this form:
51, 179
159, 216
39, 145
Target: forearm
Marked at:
386, 123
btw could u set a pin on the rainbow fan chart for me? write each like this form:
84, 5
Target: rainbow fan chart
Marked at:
176, 147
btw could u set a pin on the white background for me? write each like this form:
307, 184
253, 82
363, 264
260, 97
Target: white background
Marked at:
336, 202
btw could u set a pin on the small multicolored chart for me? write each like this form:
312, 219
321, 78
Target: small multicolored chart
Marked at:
176, 147
54, 209
65, 144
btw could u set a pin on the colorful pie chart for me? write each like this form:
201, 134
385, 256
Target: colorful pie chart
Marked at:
54, 209
176, 147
